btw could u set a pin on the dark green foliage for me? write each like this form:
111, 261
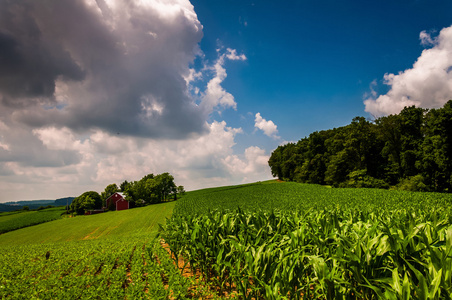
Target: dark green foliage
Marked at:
360, 179
179, 191
413, 183
411, 150
150, 189
86, 201
109, 190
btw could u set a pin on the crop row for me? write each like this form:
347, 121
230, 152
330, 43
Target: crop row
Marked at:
290, 196
333, 253
13, 221
127, 268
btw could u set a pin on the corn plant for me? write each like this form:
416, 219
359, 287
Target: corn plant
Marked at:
353, 246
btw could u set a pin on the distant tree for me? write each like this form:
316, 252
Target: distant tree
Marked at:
150, 189
437, 148
149, 176
411, 150
124, 185
109, 190
275, 162
86, 201
26, 208
339, 166
165, 186
180, 190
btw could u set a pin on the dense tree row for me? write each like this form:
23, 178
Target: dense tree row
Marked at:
150, 189
86, 201
411, 150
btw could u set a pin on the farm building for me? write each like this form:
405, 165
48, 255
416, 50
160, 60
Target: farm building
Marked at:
118, 201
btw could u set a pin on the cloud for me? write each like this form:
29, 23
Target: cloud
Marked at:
103, 158
427, 84
268, 127
117, 65
426, 39
23, 149
232, 55
252, 166
215, 95
100, 91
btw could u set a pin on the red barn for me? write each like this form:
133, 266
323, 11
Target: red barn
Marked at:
118, 200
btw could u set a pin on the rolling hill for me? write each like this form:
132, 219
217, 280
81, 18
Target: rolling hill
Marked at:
289, 240
34, 204
112, 256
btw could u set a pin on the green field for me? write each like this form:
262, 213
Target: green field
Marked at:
107, 256
267, 240
134, 222
15, 220
287, 240
290, 196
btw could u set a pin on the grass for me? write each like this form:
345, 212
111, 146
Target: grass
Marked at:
139, 221
106, 256
267, 239
15, 220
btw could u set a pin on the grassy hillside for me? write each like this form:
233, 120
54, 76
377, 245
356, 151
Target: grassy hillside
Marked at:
139, 221
288, 240
109, 256
15, 220
34, 204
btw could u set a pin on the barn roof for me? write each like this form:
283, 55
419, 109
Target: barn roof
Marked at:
119, 193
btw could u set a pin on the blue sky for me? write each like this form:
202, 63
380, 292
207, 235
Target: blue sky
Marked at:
94, 92
309, 63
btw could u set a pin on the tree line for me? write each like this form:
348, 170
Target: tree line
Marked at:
411, 150
148, 190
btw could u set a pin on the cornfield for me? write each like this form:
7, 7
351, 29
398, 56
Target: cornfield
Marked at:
398, 246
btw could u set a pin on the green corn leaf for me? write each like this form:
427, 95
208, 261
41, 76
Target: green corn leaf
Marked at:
396, 285
406, 290
434, 287
383, 246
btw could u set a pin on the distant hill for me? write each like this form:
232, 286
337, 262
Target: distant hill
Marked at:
4, 207
34, 204
30, 202
64, 201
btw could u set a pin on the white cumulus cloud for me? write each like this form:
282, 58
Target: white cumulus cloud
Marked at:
215, 95
71, 163
94, 92
427, 84
268, 127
